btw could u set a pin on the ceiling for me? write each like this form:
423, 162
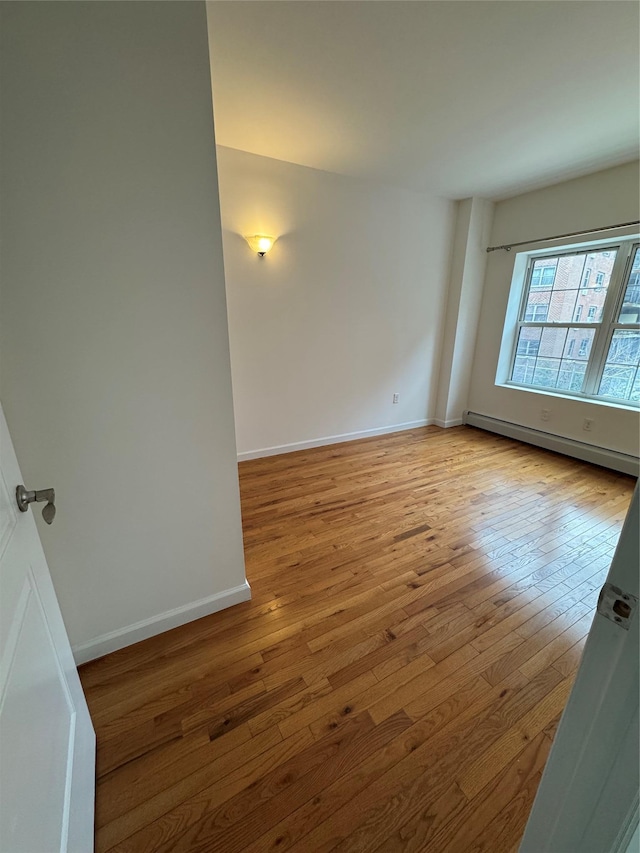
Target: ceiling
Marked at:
456, 98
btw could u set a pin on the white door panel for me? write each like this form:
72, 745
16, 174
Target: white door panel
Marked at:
47, 743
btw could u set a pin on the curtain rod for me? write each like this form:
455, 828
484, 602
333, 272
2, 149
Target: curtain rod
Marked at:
508, 246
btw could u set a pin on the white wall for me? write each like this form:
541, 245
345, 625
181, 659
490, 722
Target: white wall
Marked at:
346, 310
466, 281
603, 198
114, 345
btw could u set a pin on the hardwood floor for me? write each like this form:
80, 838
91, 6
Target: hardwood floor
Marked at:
420, 603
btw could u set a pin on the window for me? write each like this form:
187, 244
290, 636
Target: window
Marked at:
543, 276
528, 347
621, 374
630, 312
599, 358
536, 312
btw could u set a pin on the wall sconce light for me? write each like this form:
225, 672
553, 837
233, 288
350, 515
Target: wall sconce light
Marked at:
261, 243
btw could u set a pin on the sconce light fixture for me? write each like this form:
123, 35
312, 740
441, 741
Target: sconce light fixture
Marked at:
261, 243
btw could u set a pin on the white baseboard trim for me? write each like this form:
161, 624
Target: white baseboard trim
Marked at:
570, 447
447, 424
158, 624
331, 439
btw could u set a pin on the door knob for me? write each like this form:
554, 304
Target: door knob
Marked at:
24, 498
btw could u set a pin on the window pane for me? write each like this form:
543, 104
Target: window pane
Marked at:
625, 346
630, 311
617, 382
552, 342
578, 343
536, 312
529, 341
523, 369
571, 375
563, 355
562, 306
537, 306
588, 270
620, 375
570, 288
546, 372
543, 273
589, 305
584, 342
526, 352
552, 358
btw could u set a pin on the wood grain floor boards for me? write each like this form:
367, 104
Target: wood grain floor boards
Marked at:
502, 751
420, 606
142, 827
568, 663
499, 813
294, 784
424, 768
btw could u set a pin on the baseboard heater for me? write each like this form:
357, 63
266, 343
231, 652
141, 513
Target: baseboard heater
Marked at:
598, 455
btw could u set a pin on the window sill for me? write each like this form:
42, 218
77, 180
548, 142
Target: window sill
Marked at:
580, 398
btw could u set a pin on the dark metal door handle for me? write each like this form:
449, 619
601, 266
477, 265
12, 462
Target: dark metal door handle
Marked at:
24, 498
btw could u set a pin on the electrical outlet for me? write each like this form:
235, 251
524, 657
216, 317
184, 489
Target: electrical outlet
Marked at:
396, 398
545, 414
587, 424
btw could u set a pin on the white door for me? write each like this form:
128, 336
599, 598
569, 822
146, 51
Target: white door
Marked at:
587, 801
47, 742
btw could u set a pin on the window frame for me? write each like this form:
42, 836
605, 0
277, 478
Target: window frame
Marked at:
603, 328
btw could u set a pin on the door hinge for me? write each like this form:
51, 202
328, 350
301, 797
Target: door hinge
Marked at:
617, 605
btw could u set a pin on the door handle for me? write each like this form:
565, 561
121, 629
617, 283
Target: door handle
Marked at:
24, 498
